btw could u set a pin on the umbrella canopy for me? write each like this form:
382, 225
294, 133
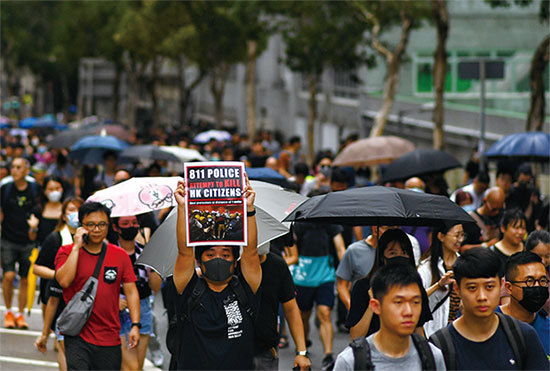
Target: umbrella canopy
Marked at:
534, 145
148, 151
419, 162
207, 136
379, 206
267, 175
161, 251
373, 151
138, 195
90, 149
184, 154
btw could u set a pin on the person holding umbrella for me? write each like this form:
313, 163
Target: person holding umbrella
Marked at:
435, 269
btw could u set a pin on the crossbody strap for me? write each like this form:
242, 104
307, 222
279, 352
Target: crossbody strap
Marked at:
100, 260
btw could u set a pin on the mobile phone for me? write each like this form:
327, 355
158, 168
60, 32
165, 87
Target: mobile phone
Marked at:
85, 238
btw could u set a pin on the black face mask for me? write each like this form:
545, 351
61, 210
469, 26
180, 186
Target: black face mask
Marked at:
128, 234
398, 260
534, 298
217, 269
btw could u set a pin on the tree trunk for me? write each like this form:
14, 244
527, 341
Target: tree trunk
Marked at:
132, 99
393, 60
539, 63
312, 104
217, 87
252, 49
116, 91
441, 18
154, 95
65, 93
183, 95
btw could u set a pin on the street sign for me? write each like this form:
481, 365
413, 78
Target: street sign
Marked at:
494, 69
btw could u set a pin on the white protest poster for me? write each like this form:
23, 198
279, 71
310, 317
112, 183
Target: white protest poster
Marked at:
215, 203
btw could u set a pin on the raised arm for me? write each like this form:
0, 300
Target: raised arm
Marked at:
185, 261
250, 261
66, 273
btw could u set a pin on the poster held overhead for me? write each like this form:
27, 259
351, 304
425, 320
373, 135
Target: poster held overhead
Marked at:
215, 205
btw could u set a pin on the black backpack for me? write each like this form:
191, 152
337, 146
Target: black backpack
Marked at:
362, 356
443, 340
176, 323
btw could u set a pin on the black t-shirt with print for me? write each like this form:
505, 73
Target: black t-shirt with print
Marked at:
219, 334
276, 287
17, 207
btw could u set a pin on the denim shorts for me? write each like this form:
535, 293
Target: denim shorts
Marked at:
146, 319
12, 253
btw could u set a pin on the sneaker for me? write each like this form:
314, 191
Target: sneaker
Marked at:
20, 322
9, 320
158, 358
328, 363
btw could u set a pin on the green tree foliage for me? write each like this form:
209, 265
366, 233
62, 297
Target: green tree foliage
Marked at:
319, 35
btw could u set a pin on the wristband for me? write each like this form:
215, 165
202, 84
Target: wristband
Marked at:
34, 230
302, 353
484, 244
137, 324
251, 213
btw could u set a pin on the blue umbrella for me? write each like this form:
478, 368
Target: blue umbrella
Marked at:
267, 175
90, 149
28, 122
533, 145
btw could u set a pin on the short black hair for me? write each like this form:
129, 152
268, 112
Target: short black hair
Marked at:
392, 275
339, 175
301, 168
320, 156
295, 139
110, 153
477, 262
199, 250
535, 238
519, 258
512, 216
92, 207
482, 177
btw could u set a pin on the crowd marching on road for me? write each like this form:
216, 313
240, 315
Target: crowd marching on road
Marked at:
410, 291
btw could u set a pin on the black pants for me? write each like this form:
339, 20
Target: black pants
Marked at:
85, 356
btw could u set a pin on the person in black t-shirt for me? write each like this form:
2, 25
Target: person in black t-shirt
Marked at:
277, 287
478, 336
219, 328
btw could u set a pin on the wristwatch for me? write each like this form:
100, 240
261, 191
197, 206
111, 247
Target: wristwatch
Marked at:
137, 324
302, 353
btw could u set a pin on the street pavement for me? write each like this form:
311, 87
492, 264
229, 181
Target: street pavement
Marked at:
18, 353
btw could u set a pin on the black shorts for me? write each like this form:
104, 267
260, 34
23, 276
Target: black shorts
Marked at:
322, 295
85, 356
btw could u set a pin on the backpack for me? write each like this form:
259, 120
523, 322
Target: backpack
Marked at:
362, 356
443, 340
176, 323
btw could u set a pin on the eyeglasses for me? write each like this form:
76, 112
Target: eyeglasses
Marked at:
92, 226
530, 282
459, 236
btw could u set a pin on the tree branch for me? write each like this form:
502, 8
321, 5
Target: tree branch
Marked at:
369, 17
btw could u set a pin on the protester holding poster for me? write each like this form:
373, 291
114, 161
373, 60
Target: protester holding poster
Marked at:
215, 312
215, 207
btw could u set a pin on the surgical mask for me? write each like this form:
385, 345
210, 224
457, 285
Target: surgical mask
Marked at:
398, 260
55, 196
42, 149
326, 171
534, 298
217, 269
72, 220
128, 234
468, 208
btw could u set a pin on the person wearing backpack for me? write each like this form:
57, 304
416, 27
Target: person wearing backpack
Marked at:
18, 201
397, 300
481, 339
214, 327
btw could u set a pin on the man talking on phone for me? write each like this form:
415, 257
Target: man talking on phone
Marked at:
97, 346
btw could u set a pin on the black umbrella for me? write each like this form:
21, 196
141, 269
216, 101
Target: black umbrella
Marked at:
148, 151
419, 162
67, 138
379, 206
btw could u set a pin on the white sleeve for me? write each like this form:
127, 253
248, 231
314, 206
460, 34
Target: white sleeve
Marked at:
345, 360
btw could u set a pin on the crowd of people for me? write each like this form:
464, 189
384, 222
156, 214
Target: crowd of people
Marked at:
477, 291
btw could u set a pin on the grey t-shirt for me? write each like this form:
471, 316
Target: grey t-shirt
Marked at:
410, 361
357, 261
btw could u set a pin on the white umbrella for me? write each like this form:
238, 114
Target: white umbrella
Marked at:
206, 136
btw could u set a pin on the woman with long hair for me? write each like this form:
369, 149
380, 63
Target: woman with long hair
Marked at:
435, 269
52, 199
45, 269
394, 247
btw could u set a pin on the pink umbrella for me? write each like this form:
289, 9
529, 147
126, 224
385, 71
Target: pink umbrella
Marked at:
373, 151
138, 195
